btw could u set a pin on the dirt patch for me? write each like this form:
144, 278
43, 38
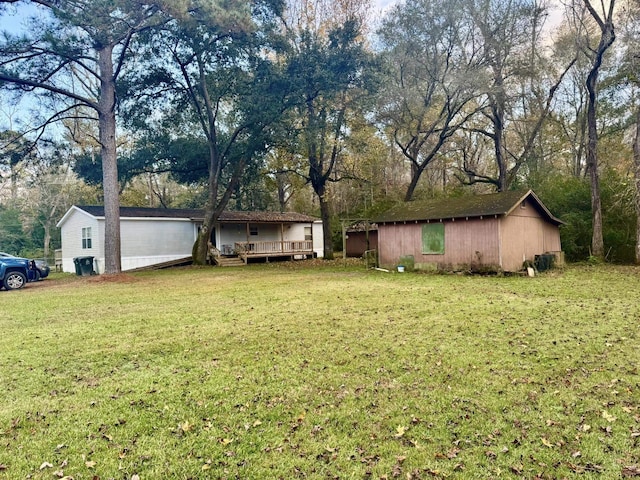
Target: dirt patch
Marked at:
112, 278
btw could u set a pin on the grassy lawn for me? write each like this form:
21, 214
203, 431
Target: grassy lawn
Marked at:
293, 371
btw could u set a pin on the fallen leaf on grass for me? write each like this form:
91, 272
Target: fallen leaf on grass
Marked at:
90, 464
400, 431
453, 453
546, 442
608, 417
45, 465
631, 471
3, 467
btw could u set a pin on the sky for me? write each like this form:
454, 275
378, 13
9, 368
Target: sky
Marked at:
14, 20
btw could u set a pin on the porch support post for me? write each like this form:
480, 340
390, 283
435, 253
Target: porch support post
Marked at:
282, 237
344, 241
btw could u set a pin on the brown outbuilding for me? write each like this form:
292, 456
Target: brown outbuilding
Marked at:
495, 232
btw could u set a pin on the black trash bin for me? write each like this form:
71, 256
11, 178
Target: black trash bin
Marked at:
544, 262
84, 266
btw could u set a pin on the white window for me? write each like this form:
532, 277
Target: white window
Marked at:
253, 230
307, 233
86, 237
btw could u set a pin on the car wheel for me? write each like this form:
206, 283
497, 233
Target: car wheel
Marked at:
14, 280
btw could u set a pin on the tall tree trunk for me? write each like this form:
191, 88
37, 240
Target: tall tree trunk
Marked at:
415, 177
319, 183
497, 118
214, 206
607, 37
597, 242
201, 247
46, 243
107, 134
636, 160
13, 179
325, 215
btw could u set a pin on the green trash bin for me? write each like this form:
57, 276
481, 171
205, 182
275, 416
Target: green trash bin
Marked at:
544, 262
84, 266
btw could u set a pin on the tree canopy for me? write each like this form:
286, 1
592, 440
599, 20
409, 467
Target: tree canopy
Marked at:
304, 105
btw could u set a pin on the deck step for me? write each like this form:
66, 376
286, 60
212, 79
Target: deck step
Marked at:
230, 262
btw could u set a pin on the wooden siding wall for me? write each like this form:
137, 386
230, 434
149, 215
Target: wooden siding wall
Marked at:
462, 239
357, 243
526, 234
503, 242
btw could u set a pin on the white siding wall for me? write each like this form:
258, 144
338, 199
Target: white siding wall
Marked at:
295, 231
228, 234
318, 241
150, 241
71, 234
143, 241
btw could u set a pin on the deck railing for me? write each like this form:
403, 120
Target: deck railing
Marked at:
283, 247
57, 259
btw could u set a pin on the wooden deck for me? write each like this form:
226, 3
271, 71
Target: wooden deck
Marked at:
285, 248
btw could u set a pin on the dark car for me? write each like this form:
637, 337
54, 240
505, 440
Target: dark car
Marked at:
39, 269
15, 272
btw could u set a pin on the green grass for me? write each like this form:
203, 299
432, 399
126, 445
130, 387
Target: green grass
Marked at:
293, 371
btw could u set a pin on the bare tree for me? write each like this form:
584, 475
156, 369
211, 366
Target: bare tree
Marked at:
432, 79
595, 51
510, 34
630, 67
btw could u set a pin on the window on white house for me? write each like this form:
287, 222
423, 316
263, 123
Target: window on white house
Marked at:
86, 237
253, 230
307, 233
